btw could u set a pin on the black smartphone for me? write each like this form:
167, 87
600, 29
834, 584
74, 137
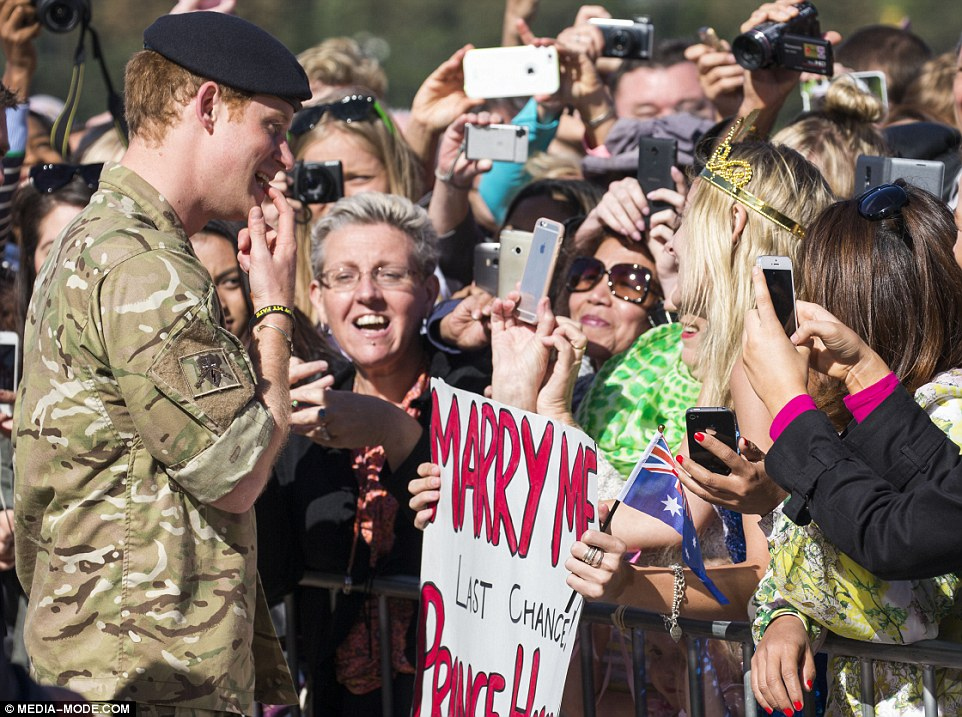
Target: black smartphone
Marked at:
656, 157
720, 423
781, 287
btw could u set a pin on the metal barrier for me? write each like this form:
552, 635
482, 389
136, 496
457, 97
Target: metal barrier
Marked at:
928, 654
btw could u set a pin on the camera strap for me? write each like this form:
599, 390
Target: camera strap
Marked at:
60, 133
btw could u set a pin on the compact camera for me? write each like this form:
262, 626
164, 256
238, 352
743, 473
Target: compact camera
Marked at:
794, 45
626, 39
62, 15
317, 182
500, 142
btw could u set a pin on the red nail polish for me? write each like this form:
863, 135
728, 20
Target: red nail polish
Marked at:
798, 705
788, 712
681, 459
769, 710
699, 437
808, 684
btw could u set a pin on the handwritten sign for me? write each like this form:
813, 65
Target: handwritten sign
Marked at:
494, 637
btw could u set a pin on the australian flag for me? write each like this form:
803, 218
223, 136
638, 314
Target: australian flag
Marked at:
653, 488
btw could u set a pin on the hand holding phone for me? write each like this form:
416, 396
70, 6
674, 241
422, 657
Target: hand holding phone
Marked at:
781, 285
656, 157
717, 421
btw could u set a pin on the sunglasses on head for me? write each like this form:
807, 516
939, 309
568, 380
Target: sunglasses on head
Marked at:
629, 282
353, 108
882, 202
47, 178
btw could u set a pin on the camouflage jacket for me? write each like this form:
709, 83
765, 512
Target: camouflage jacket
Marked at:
135, 412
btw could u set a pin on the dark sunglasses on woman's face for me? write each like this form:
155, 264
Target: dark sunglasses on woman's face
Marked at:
882, 202
353, 108
630, 282
47, 178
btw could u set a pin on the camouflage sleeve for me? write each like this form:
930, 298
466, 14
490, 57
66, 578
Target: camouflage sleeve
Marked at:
187, 383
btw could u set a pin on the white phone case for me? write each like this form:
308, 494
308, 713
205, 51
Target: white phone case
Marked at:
511, 71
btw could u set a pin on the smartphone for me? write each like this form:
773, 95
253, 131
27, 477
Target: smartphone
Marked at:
874, 83
781, 286
498, 142
813, 90
9, 365
721, 424
515, 245
539, 267
486, 260
813, 93
709, 37
923, 173
511, 71
656, 157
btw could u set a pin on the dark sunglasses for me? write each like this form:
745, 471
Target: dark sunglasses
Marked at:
882, 202
630, 282
353, 108
47, 178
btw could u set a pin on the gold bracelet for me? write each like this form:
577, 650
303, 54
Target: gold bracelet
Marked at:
290, 343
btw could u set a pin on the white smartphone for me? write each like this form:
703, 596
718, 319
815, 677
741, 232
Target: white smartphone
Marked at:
9, 365
511, 71
539, 267
781, 286
512, 256
498, 142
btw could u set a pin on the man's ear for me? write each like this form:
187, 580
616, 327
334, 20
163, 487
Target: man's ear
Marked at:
207, 105
739, 220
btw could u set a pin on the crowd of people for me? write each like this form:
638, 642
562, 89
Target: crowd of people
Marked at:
225, 372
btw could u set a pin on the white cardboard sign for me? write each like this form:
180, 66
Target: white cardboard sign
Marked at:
494, 636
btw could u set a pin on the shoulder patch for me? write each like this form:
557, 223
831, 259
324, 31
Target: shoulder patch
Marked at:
208, 372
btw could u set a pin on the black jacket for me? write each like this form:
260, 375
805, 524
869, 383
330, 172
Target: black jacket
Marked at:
888, 492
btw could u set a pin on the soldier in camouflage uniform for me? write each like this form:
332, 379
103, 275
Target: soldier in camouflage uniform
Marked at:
143, 430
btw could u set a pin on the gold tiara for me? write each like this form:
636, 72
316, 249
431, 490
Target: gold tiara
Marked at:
731, 175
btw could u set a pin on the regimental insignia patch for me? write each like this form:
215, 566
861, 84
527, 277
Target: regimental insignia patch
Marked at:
208, 372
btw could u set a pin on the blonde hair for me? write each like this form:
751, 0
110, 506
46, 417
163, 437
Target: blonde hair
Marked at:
716, 274
930, 96
155, 90
833, 137
339, 62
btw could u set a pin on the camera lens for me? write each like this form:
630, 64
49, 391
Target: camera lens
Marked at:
62, 15
752, 50
621, 43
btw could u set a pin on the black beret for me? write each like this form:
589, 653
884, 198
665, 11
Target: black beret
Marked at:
231, 51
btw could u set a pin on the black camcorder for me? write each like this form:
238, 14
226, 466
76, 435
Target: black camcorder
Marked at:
794, 45
62, 15
317, 182
626, 39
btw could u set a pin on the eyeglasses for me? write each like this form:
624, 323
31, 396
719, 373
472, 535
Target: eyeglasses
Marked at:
353, 108
47, 178
630, 282
882, 202
346, 278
